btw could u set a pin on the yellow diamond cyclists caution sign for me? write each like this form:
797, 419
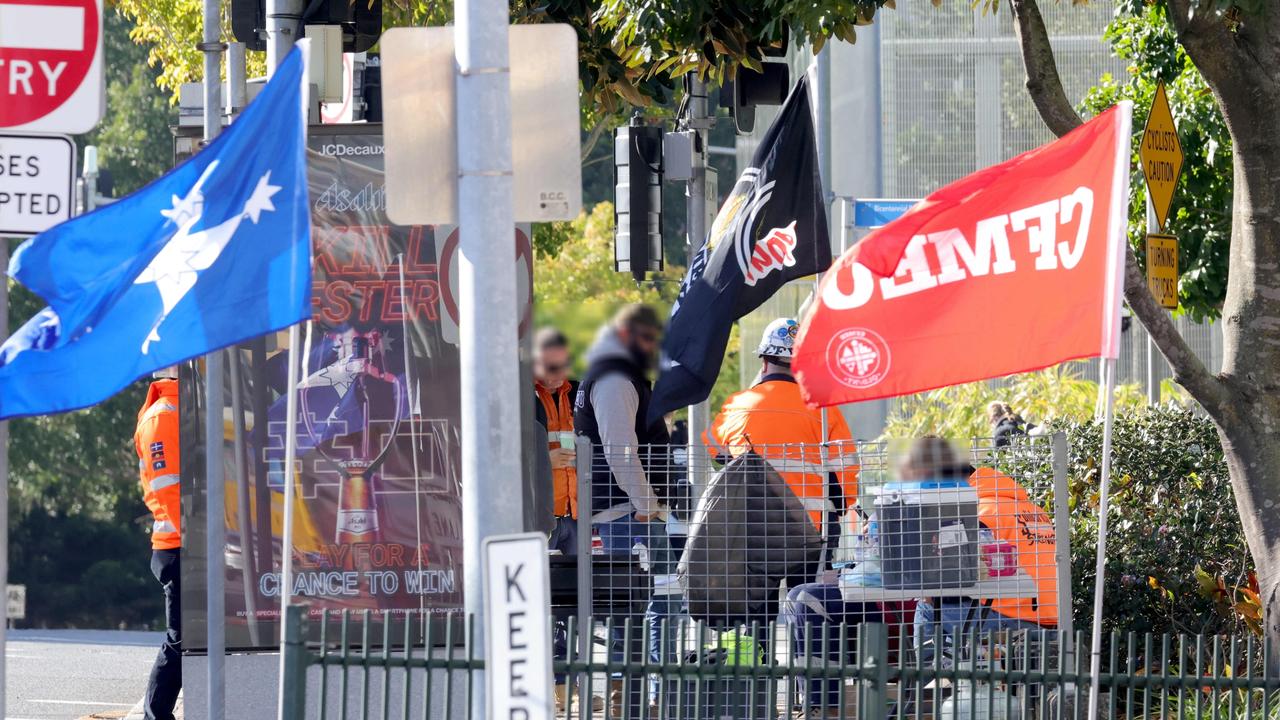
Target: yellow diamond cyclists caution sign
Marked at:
1161, 155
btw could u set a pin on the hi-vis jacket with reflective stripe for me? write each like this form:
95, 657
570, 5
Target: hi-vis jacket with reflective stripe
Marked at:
772, 419
1005, 508
555, 412
156, 442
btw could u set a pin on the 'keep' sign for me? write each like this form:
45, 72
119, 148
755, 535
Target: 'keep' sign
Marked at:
1014, 268
51, 76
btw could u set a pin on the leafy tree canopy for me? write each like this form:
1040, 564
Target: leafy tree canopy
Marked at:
575, 288
133, 138
630, 50
1201, 219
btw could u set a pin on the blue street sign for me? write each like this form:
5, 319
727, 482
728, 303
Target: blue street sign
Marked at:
877, 212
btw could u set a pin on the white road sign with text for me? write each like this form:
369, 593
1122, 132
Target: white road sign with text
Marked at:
517, 597
37, 182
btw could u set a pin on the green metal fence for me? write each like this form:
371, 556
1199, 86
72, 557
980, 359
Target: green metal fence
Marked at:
426, 668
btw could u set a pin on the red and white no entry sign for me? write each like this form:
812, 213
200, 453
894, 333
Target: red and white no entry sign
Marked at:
447, 252
51, 73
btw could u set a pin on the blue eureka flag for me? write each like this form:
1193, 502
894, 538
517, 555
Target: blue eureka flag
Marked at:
216, 252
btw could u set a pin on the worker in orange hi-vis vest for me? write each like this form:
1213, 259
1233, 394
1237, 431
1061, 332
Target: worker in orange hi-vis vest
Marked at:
1015, 522
772, 419
156, 442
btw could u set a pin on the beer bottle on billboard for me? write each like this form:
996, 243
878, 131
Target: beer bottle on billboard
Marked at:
357, 520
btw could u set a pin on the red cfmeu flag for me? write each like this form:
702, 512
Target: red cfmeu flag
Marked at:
1014, 268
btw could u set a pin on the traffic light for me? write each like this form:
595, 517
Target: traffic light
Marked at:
249, 23
750, 89
371, 88
637, 161
361, 21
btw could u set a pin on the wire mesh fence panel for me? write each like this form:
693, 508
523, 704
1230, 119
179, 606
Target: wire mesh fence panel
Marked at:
995, 674
919, 579
789, 547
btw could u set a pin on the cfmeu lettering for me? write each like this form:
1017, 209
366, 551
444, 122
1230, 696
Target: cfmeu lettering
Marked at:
1052, 235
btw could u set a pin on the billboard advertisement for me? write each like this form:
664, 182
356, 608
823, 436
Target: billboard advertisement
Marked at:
377, 514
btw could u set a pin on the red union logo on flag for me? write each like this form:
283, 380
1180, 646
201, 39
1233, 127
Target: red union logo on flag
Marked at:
772, 252
857, 357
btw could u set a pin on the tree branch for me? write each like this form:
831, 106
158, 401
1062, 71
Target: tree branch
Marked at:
1043, 82
1203, 33
1045, 87
1188, 371
592, 139
1196, 18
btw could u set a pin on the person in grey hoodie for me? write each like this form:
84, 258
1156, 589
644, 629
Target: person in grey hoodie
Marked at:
630, 461
610, 409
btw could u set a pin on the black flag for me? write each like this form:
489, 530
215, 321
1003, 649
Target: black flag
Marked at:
772, 229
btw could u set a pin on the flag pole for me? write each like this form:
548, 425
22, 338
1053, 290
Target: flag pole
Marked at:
215, 492
1095, 658
1118, 225
290, 460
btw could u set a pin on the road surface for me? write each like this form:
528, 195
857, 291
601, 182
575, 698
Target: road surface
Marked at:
68, 674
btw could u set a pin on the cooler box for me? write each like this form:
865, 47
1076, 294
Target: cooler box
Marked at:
928, 534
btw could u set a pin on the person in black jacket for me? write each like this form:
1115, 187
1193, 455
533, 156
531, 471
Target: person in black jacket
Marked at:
629, 461
1005, 423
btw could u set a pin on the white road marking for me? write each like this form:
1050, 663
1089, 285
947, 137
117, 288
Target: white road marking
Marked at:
82, 702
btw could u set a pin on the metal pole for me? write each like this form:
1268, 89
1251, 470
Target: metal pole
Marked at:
1062, 535
4, 477
237, 79
282, 31
286, 529
822, 116
1153, 387
282, 26
215, 535
244, 521
822, 113
846, 205
696, 209
216, 531
1095, 650
490, 382
90, 178
586, 593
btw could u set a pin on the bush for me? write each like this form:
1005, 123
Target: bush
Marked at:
1176, 555
960, 411
84, 572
